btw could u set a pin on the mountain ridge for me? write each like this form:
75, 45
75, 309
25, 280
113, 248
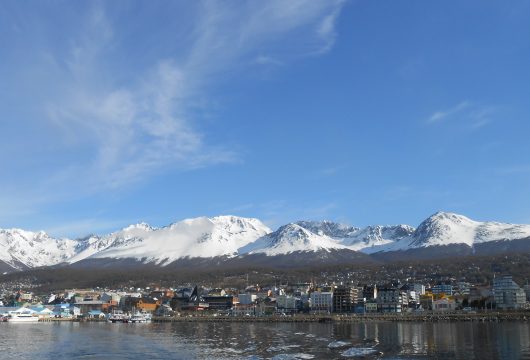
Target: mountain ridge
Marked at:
232, 236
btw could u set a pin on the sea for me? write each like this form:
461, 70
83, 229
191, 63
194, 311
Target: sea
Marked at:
231, 340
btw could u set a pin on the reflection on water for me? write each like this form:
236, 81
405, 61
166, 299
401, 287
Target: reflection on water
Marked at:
466, 340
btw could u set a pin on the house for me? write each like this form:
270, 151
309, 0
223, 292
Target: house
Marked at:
144, 304
184, 299
95, 314
63, 311
444, 304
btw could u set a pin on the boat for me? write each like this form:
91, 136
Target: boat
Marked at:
117, 316
22, 317
140, 317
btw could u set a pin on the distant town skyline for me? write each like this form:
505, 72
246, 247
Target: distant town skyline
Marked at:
359, 112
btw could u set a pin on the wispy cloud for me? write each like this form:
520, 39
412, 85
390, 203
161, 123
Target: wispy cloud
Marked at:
121, 127
267, 60
440, 115
474, 115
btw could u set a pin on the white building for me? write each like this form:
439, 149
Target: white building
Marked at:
286, 302
419, 289
321, 302
507, 294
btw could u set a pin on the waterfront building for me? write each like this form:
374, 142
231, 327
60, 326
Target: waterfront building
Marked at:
507, 294
444, 304
391, 300
246, 299
218, 302
370, 306
286, 303
369, 292
321, 302
344, 299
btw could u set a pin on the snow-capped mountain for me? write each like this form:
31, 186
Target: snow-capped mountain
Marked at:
326, 235
444, 229
199, 237
236, 237
24, 249
291, 238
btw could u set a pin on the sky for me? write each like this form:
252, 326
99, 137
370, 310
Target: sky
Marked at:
362, 112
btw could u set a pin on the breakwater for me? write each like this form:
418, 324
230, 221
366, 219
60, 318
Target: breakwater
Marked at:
430, 317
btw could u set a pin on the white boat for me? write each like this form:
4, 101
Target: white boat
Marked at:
140, 317
22, 317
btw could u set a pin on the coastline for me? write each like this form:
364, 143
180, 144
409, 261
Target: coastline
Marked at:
452, 317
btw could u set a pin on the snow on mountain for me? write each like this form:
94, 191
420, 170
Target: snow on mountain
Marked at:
329, 228
445, 228
358, 238
370, 237
290, 238
199, 237
20, 248
231, 236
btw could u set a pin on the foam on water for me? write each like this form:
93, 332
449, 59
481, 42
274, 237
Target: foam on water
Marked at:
357, 352
338, 344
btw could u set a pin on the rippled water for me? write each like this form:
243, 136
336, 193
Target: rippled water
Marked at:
507, 340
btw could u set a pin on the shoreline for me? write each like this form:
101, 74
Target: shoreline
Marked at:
454, 317
350, 318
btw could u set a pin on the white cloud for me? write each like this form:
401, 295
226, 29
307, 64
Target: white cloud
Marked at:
267, 60
444, 114
114, 124
473, 115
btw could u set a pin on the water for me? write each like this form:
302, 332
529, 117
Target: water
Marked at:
374, 340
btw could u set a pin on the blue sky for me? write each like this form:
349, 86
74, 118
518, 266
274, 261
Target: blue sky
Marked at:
362, 112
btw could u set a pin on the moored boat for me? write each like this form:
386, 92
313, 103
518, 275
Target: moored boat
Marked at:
23, 317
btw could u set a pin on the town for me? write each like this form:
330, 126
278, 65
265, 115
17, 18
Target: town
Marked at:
297, 300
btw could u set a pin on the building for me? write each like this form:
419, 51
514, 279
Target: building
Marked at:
344, 299
321, 302
419, 289
286, 303
439, 289
369, 292
426, 301
218, 302
391, 300
527, 291
370, 306
507, 294
185, 299
246, 299
86, 306
144, 304
444, 304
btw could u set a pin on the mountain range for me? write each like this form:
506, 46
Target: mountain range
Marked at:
207, 241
